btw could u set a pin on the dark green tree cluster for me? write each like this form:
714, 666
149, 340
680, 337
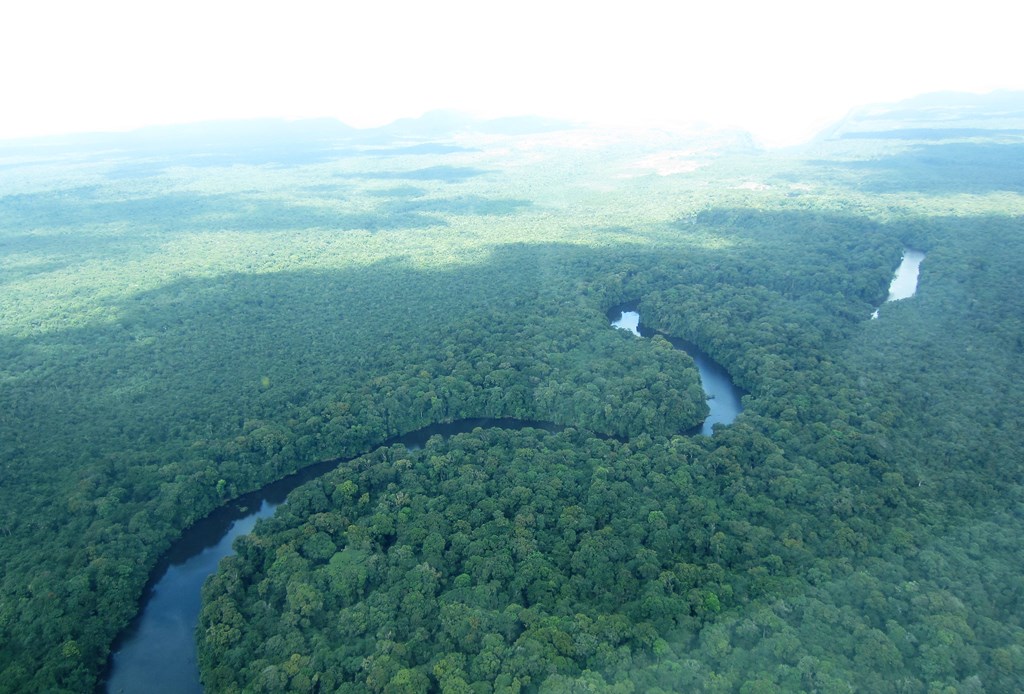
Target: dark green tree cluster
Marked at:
822, 518
490, 562
117, 436
173, 334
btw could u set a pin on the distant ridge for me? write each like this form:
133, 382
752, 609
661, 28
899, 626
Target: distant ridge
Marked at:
195, 133
446, 123
202, 134
936, 115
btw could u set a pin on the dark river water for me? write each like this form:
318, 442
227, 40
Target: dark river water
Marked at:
157, 652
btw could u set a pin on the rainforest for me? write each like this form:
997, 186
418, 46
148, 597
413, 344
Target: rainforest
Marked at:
189, 314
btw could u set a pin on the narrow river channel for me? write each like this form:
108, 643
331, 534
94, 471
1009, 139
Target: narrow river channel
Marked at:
724, 397
156, 654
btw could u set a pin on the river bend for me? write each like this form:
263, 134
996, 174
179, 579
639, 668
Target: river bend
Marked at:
157, 652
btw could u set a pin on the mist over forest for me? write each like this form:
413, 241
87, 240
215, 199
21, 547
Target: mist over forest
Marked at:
191, 313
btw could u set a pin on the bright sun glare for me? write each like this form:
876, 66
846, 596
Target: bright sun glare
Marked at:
781, 70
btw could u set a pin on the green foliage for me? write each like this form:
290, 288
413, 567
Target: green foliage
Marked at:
175, 330
501, 550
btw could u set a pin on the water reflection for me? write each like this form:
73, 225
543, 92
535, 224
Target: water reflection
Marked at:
158, 651
724, 398
904, 282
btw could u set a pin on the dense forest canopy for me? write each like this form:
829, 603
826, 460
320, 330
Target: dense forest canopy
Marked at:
189, 314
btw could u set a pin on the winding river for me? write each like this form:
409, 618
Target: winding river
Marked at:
724, 397
157, 652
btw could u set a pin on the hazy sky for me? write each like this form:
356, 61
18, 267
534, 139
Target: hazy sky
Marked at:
779, 68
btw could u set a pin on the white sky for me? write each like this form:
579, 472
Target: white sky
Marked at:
780, 68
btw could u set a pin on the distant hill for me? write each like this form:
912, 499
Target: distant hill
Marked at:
274, 141
445, 123
191, 136
935, 116
433, 124
939, 143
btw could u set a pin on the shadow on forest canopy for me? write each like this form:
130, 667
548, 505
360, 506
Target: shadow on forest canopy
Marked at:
957, 167
449, 174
